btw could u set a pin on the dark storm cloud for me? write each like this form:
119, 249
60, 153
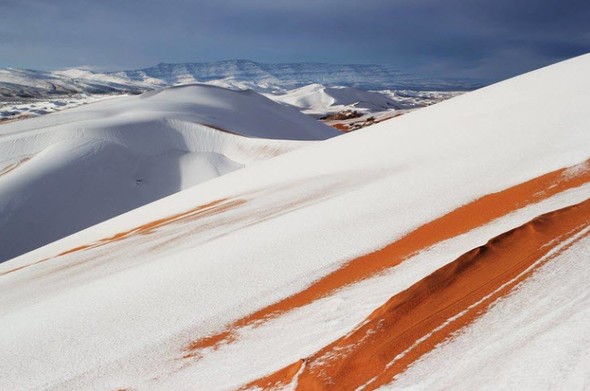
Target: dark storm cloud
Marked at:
451, 38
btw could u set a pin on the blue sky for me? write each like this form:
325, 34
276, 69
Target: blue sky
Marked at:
483, 39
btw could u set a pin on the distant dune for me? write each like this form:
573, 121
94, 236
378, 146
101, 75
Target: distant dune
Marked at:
445, 249
66, 171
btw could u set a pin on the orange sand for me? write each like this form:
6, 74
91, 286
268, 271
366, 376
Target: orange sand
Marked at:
340, 126
277, 380
414, 321
198, 212
461, 220
201, 211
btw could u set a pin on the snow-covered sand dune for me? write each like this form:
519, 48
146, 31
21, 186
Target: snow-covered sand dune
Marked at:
28, 83
67, 171
348, 108
378, 258
319, 99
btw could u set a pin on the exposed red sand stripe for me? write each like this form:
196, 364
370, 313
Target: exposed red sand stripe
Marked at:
279, 379
201, 211
461, 220
348, 125
76, 249
198, 212
414, 321
339, 126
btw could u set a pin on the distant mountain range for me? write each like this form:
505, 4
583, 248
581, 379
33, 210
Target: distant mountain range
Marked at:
198, 238
284, 75
18, 84
288, 75
21, 83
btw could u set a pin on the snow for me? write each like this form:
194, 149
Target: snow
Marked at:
288, 76
82, 166
28, 83
108, 316
25, 93
236, 74
535, 339
349, 108
265, 348
35, 107
317, 98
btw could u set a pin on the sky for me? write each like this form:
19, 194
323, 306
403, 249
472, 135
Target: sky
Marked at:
478, 39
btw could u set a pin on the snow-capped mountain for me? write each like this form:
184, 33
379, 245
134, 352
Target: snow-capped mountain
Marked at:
66, 171
278, 75
241, 74
290, 75
446, 249
17, 84
314, 88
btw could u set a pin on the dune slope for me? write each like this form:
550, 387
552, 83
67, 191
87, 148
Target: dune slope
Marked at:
64, 172
316, 98
296, 272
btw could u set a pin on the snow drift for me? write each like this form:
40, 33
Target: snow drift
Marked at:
66, 171
300, 271
319, 99
28, 83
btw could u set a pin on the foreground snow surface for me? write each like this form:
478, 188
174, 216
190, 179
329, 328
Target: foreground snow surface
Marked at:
67, 171
536, 339
134, 308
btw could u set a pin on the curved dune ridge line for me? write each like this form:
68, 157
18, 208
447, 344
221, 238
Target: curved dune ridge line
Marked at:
324, 235
91, 163
317, 98
13, 166
145, 229
181, 219
467, 217
416, 320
